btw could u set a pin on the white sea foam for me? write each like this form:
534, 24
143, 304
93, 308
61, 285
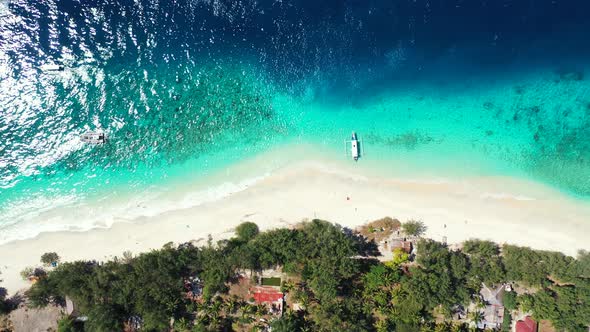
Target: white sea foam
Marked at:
73, 214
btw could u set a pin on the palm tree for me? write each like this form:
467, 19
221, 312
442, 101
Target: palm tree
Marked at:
479, 303
201, 319
215, 323
381, 326
247, 311
261, 310
210, 314
426, 327
476, 317
246, 319
231, 304
172, 304
218, 302
443, 327
458, 327
182, 325
288, 286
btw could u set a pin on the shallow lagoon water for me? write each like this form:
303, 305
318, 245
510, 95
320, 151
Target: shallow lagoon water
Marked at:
188, 88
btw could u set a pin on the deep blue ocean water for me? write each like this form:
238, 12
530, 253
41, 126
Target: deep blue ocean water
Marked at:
186, 87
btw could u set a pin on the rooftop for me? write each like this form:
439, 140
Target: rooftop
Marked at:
526, 325
265, 294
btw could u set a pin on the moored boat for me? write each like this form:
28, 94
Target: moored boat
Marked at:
354, 147
94, 137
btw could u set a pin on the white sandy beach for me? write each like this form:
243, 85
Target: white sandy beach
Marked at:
502, 209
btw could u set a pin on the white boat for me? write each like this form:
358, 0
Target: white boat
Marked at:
94, 137
52, 67
353, 147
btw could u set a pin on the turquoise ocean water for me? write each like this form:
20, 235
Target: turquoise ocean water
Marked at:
187, 88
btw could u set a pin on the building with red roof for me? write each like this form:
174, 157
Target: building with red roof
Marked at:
270, 296
526, 325
262, 294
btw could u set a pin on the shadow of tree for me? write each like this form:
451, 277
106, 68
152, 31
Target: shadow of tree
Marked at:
16, 300
364, 247
9, 304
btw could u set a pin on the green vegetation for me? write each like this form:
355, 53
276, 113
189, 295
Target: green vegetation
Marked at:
509, 300
507, 321
150, 285
338, 289
247, 231
30, 272
271, 281
414, 228
67, 324
287, 323
485, 262
27, 272
50, 258
399, 257
563, 284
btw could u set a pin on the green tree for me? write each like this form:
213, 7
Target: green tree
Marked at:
414, 228
441, 277
181, 325
399, 257
507, 321
458, 327
443, 327
288, 323
509, 300
27, 272
67, 324
379, 284
49, 258
475, 317
408, 307
583, 263
326, 254
485, 263
246, 231
384, 325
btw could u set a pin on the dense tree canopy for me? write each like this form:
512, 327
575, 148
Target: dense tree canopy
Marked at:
534, 266
486, 265
287, 323
341, 289
509, 300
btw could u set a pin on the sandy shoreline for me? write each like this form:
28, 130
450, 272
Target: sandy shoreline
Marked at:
496, 208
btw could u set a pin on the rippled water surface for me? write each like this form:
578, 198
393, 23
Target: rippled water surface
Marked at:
185, 87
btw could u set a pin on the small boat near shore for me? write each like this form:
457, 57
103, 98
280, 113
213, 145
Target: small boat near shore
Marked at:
94, 137
353, 147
